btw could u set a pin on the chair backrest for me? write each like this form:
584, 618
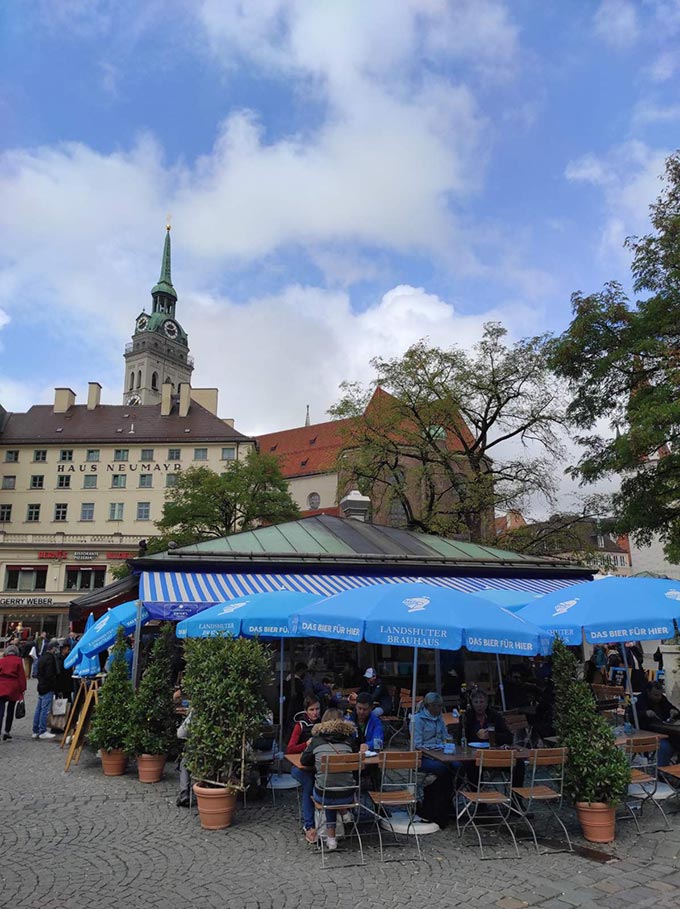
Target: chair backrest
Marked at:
518, 724
546, 768
341, 763
642, 753
495, 770
399, 760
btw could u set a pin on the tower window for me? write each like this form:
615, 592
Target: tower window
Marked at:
139, 379
154, 381
132, 381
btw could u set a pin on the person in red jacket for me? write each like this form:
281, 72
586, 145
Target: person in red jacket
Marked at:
301, 734
12, 687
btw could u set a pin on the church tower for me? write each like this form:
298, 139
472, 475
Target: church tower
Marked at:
159, 351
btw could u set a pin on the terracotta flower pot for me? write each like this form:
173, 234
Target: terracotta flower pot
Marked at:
113, 762
150, 767
598, 821
215, 806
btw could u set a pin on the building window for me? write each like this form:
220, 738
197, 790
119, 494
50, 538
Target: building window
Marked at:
25, 579
313, 501
229, 454
9, 482
139, 379
145, 481
121, 454
37, 481
12, 457
66, 454
154, 381
40, 454
85, 578
397, 516
116, 511
33, 513
131, 384
174, 454
200, 454
92, 454
60, 512
118, 481
64, 481
146, 455
171, 479
90, 481
143, 511
87, 511
5, 512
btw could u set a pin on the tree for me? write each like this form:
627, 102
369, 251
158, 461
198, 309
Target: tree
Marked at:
151, 722
446, 436
622, 361
206, 505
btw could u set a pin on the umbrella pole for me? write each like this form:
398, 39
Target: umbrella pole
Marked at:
138, 635
629, 686
501, 687
281, 700
438, 671
413, 693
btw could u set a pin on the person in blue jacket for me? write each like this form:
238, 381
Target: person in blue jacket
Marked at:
429, 733
370, 735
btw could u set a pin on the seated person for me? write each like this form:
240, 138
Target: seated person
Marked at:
429, 734
484, 724
382, 701
653, 710
333, 735
300, 736
370, 735
327, 691
518, 692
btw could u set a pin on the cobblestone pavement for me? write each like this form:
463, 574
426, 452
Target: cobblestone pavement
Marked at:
79, 839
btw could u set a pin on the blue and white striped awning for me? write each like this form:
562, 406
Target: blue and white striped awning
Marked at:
179, 594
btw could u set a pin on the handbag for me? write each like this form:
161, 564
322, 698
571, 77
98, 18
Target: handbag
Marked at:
56, 722
59, 706
20, 710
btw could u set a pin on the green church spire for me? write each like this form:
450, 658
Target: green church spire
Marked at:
164, 285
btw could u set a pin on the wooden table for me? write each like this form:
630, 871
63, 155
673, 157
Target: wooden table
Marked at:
469, 755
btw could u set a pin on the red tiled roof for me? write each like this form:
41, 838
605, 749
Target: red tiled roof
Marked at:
307, 450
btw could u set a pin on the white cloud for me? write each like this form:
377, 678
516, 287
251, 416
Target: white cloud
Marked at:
664, 67
616, 23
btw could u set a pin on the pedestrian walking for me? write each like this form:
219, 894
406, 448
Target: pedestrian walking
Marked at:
12, 687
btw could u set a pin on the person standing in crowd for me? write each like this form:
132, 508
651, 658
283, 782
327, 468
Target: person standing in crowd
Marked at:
12, 687
64, 682
380, 696
48, 671
39, 647
300, 736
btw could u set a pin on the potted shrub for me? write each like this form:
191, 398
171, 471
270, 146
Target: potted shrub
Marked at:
224, 679
152, 730
108, 730
597, 772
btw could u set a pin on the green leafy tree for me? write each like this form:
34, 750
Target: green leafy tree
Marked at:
622, 361
224, 680
207, 505
457, 435
597, 771
109, 727
151, 724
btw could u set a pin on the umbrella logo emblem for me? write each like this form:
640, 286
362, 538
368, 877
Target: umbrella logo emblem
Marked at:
231, 607
673, 594
561, 608
416, 604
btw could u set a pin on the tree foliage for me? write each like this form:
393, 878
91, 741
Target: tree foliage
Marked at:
458, 434
151, 725
224, 679
206, 505
109, 727
596, 771
622, 361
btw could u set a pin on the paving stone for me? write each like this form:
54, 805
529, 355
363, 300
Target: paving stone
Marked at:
509, 902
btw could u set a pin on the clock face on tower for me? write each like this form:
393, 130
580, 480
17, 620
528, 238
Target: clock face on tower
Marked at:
170, 329
142, 322
133, 400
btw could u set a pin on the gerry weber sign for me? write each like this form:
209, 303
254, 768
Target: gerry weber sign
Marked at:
118, 467
26, 601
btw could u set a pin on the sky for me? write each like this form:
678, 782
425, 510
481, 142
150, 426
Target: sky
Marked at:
343, 179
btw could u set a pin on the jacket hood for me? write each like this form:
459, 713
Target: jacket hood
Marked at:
339, 728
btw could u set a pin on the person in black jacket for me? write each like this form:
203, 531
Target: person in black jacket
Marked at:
48, 671
382, 702
484, 724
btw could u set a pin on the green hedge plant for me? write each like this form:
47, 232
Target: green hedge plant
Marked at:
596, 771
224, 679
109, 727
152, 727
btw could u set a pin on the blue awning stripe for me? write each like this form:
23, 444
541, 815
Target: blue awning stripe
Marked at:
159, 590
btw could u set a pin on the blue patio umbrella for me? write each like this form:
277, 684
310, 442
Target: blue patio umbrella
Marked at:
421, 615
510, 599
86, 667
613, 609
103, 633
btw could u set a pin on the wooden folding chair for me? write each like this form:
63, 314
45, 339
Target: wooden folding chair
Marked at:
642, 756
396, 794
545, 789
493, 793
333, 764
